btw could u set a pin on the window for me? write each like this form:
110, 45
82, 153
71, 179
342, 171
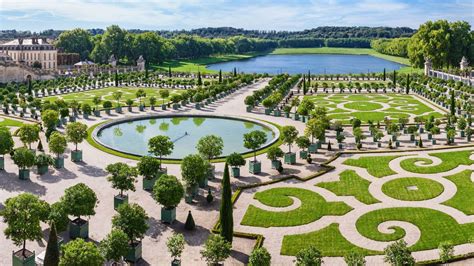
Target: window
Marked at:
44, 56
49, 64
49, 56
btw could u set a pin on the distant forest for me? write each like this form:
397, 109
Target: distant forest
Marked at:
328, 32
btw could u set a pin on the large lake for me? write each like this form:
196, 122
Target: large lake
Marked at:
316, 63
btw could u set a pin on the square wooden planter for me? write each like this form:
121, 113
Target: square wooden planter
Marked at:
24, 174
276, 164
19, 260
43, 169
168, 215
203, 182
134, 252
148, 183
313, 148
303, 154
255, 167
78, 228
249, 109
2, 163
76, 156
119, 200
235, 171
290, 158
59, 163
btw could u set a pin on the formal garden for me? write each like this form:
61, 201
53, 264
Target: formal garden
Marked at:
175, 161
370, 200
311, 172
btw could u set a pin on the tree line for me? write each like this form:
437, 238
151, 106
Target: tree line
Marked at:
128, 46
225, 32
445, 43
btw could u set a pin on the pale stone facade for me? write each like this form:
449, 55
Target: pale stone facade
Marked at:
29, 51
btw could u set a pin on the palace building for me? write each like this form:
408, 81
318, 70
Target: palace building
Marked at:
32, 52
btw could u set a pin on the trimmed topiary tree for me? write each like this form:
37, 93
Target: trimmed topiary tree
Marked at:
57, 145
303, 143
132, 220
216, 249
193, 169
149, 168
210, 147
160, 146
288, 136
80, 252
260, 257
226, 217
175, 245
22, 215
235, 160
253, 141
79, 200
354, 258
28, 133
114, 247
76, 133
398, 253
168, 191
309, 256
273, 154
25, 159
59, 216
6, 145
122, 178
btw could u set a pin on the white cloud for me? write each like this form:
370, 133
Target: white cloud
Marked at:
179, 14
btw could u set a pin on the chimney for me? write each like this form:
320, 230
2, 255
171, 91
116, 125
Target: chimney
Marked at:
20, 41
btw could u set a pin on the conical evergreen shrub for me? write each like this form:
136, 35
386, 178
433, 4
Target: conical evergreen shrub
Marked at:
189, 225
51, 258
227, 221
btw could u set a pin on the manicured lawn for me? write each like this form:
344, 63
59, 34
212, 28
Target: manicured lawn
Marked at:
199, 64
376, 165
328, 240
412, 189
371, 106
450, 160
463, 200
312, 208
10, 122
435, 227
106, 94
351, 184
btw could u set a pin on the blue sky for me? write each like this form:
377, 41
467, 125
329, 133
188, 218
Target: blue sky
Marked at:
38, 15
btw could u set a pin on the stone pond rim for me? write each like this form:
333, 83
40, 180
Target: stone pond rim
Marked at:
95, 133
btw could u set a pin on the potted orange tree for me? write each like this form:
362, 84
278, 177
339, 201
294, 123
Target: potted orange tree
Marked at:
122, 178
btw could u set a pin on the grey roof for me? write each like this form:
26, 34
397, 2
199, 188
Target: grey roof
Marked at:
28, 41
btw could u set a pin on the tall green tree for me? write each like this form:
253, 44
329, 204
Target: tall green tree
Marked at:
226, 217
75, 41
22, 215
452, 105
51, 258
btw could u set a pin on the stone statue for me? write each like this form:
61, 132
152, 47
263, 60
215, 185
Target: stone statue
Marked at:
428, 66
141, 63
113, 61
